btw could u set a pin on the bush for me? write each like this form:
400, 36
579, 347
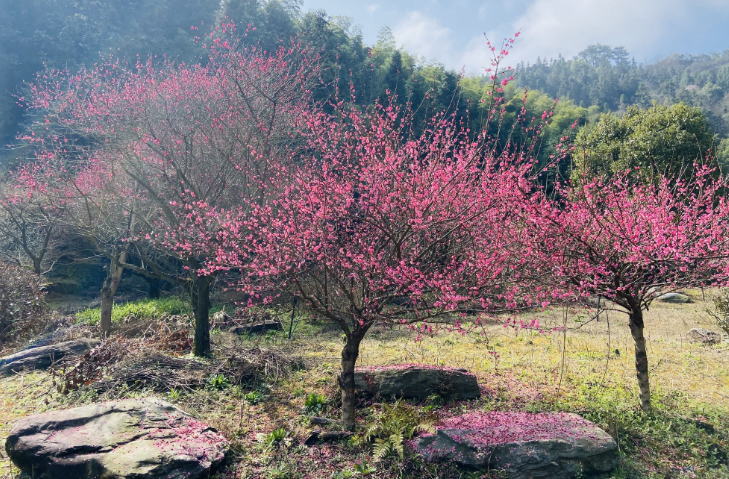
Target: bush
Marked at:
720, 312
142, 309
22, 304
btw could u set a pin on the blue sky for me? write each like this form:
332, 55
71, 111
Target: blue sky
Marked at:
451, 31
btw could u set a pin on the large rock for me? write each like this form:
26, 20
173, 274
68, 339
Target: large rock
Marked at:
134, 439
416, 382
524, 445
674, 298
43, 357
704, 336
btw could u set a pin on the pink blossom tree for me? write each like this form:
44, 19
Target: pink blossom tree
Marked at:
375, 224
100, 207
630, 242
29, 226
373, 215
105, 209
182, 134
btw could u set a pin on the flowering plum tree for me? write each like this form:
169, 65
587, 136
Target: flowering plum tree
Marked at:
29, 226
182, 134
105, 209
375, 225
630, 242
98, 206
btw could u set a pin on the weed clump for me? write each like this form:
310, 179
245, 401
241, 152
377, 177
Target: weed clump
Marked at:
315, 404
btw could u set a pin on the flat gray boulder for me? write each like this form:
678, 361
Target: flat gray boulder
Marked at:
704, 336
523, 445
677, 298
128, 439
43, 357
415, 381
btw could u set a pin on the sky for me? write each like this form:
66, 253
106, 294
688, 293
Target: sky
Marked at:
452, 31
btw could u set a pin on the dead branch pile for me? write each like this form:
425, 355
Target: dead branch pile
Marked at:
249, 364
156, 372
90, 367
158, 329
241, 317
152, 361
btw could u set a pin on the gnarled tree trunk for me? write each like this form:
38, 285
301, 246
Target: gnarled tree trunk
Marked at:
201, 310
350, 353
111, 284
641, 358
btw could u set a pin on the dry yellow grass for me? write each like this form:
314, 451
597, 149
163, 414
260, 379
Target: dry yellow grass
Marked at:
676, 365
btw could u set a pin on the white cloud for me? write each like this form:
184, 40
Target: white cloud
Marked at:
648, 29
424, 36
476, 56
552, 27
427, 37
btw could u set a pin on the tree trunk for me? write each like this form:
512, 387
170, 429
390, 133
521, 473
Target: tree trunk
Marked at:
37, 265
201, 309
155, 287
350, 353
107, 301
641, 359
111, 284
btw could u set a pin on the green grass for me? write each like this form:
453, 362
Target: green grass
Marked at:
142, 309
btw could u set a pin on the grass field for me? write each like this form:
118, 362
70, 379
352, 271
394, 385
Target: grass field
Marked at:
586, 369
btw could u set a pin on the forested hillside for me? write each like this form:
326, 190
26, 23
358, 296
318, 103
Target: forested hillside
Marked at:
66, 34
606, 79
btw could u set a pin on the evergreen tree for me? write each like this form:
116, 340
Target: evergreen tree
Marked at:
660, 141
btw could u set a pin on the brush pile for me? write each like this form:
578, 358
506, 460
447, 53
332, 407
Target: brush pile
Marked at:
158, 361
